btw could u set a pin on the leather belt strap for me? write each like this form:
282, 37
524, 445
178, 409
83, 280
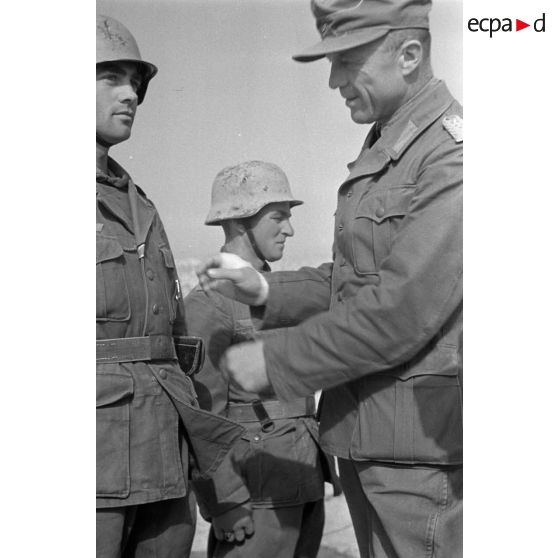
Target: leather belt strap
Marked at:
244, 412
132, 349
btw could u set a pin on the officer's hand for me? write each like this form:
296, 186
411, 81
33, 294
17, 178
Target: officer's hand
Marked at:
234, 525
235, 278
244, 363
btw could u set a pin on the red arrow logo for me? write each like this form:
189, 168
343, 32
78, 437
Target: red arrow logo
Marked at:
519, 25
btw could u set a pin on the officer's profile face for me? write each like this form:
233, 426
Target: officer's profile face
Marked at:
117, 100
271, 227
369, 79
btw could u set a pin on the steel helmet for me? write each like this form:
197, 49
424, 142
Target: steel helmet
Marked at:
116, 44
242, 190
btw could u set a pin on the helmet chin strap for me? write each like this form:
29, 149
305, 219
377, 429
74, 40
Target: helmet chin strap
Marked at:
250, 233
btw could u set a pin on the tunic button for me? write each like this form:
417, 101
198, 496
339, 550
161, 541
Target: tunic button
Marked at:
340, 227
380, 212
150, 274
349, 193
155, 309
256, 438
162, 373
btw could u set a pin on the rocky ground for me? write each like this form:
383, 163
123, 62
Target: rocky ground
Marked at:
338, 540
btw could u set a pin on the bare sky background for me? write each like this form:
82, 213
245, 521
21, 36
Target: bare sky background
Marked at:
228, 91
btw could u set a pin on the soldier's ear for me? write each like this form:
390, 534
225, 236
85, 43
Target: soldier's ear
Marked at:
236, 227
410, 56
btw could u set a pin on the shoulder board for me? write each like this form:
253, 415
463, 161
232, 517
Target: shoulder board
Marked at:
454, 125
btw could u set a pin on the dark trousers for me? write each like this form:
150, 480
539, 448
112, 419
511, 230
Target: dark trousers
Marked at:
292, 532
404, 512
161, 529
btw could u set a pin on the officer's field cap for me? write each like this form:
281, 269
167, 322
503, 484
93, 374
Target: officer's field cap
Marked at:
346, 24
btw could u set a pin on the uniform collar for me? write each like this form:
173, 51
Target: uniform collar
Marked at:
122, 181
408, 122
119, 178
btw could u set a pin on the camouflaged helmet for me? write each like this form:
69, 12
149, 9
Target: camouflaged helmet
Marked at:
241, 191
116, 44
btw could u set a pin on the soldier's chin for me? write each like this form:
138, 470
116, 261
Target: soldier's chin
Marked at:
360, 117
113, 139
276, 255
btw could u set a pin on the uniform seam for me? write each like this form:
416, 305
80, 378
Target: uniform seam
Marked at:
434, 518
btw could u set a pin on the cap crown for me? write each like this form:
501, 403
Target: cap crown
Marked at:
340, 16
345, 24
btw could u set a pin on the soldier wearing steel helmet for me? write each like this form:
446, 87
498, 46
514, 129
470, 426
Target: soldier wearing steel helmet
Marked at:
278, 459
382, 330
149, 425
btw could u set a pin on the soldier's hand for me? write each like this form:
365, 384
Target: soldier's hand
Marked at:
244, 363
235, 278
234, 525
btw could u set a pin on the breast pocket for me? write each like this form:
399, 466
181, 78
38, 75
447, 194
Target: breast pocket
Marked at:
172, 286
378, 217
113, 298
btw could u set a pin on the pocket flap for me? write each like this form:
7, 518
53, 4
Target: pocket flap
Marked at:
108, 249
112, 388
440, 361
386, 204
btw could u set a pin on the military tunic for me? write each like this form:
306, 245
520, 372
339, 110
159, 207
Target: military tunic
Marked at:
280, 469
389, 349
143, 407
